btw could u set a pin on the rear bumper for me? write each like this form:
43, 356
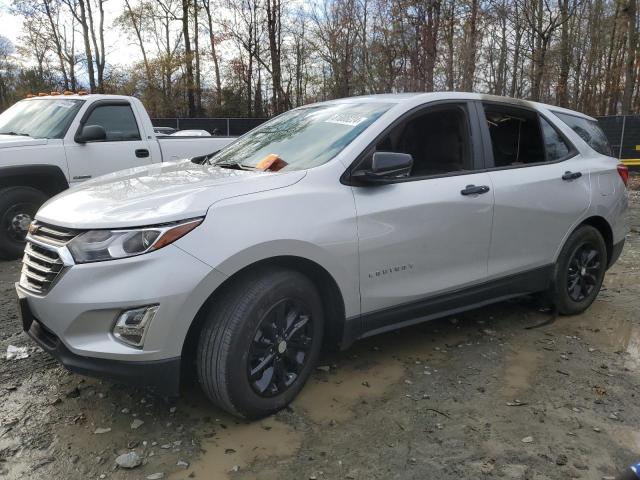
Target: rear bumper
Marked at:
161, 376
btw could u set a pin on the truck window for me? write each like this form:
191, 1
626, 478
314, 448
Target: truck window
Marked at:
438, 141
516, 137
589, 131
118, 121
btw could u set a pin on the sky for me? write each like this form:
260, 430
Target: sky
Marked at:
119, 49
10, 26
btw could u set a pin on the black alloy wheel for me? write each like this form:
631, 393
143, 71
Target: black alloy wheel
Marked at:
579, 271
260, 341
280, 347
583, 272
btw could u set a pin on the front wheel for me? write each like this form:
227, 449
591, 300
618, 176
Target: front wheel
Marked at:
579, 271
18, 206
260, 342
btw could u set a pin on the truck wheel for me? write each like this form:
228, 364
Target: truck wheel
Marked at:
260, 342
579, 271
18, 205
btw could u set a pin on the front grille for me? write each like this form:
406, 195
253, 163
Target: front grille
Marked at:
41, 264
56, 236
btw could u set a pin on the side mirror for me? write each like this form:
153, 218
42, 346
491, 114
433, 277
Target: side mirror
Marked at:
91, 133
385, 166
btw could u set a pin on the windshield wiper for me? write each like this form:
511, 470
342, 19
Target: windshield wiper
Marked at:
16, 134
234, 166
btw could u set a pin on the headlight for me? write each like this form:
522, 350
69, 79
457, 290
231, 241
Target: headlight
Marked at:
99, 245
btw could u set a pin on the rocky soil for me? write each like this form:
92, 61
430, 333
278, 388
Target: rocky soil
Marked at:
506, 391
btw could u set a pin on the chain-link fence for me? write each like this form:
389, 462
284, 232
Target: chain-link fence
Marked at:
623, 132
231, 127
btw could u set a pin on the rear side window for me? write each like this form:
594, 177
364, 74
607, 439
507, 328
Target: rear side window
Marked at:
516, 137
589, 131
118, 121
554, 144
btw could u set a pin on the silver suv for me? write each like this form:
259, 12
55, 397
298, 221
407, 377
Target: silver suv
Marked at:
330, 223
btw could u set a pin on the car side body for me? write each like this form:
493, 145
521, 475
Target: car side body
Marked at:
381, 255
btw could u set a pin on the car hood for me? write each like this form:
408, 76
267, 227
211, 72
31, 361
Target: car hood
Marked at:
155, 194
12, 141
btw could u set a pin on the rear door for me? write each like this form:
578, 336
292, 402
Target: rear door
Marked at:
124, 147
540, 187
426, 233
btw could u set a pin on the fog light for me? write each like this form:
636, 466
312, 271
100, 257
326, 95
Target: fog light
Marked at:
132, 325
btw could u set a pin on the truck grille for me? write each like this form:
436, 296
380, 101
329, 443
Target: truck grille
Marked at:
41, 264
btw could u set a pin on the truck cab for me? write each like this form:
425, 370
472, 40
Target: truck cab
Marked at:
51, 142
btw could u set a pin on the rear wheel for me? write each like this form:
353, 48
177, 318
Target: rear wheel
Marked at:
580, 270
260, 342
18, 206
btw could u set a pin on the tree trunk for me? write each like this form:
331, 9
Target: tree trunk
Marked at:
274, 17
57, 43
188, 60
632, 34
98, 49
84, 24
214, 55
470, 47
451, 22
563, 77
196, 47
430, 41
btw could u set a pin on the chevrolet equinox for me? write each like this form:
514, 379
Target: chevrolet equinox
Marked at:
329, 223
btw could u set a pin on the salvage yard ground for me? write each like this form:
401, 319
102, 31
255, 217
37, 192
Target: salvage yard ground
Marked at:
505, 391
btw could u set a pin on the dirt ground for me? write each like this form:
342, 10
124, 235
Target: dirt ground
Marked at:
504, 391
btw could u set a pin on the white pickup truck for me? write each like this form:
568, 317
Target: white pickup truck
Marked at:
49, 143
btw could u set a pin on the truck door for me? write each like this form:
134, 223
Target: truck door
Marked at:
123, 147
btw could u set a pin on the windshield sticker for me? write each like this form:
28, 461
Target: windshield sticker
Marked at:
346, 119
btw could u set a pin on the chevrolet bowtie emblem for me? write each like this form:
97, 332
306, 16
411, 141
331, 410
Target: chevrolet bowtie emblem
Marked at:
33, 228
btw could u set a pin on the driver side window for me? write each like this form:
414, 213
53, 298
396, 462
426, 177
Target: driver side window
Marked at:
438, 140
118, 121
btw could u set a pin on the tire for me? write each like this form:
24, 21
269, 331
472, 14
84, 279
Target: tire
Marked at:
240, 335
18, 205
577, 280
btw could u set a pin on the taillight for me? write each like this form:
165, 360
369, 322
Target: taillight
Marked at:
623, 171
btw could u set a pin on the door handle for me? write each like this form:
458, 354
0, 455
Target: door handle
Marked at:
475, 190
142, 153
571, 175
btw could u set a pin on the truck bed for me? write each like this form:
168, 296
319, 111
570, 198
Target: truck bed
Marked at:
178, 148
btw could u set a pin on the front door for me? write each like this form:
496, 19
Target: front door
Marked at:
123, 147
430, 232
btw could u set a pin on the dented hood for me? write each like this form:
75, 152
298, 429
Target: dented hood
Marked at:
155, 194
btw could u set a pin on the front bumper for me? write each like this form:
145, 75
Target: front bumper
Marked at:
161, 376
74, 320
